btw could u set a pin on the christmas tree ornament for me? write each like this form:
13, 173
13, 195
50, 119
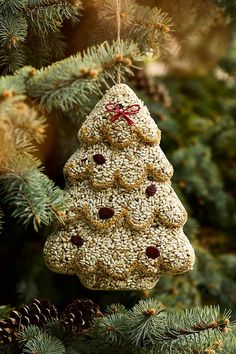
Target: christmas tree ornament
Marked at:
124, 223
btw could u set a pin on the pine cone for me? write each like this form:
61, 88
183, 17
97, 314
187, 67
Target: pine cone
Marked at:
157, 91
79, 314
38, 312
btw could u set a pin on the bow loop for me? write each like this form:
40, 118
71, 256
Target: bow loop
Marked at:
120, 112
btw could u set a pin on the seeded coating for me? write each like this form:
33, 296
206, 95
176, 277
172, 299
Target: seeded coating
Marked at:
123, 208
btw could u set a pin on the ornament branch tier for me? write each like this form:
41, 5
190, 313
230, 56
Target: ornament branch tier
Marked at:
124, 223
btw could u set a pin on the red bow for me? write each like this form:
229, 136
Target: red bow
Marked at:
120, 112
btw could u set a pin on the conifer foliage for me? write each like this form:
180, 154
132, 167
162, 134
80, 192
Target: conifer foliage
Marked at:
43, 100
30, 31
63, 89
147, 327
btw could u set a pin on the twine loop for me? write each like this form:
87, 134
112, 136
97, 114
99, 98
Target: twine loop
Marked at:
120, 112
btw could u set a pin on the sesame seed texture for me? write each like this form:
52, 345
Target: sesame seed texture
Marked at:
124, 222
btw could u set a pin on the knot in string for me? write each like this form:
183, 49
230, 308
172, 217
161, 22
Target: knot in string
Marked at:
120, 112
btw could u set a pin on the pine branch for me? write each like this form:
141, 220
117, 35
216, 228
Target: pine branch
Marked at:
10, 85
110, 328
45, 49
194, 321
21, 127
37, 341
229, 7
22, 121
206, 182
12, 60
68, 84
42, 4
107, 15
194, 330
147, 27
20, 21
143, 318
26, 189
150, 28
45, 16
69, 339
13, 33
32, 196
13, 6
146, 328
115, 308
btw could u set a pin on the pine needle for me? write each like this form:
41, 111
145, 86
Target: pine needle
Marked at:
32, 197
57, 87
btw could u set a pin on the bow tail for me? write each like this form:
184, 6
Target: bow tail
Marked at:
118, 115
128, 120
115, 117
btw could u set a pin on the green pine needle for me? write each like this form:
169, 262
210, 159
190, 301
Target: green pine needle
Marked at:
25, 24
4, 311
146, 328
116, 308
110, 328
42, 344
33, 197
70, 340
45, 16
13, 31
146, 316
13, 84
70, 83
29, 332
12, 6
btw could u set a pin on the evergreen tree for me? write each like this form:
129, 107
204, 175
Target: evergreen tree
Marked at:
50, 81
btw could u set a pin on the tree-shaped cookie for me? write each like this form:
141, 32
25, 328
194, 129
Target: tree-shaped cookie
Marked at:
124, 222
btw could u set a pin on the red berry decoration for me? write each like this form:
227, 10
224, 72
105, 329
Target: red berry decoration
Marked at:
151, 190
106, 213
77, 241
99, 159
152, 252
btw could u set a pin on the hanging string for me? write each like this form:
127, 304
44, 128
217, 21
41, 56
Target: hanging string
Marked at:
118, 19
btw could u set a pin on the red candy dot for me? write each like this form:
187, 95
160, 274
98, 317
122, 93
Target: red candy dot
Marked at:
77, 241
99, 159
106, 213
152, 252
151, 190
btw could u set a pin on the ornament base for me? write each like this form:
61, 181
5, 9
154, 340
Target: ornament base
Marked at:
101, 282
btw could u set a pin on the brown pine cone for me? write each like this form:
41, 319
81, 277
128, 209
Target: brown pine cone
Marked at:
79, 314
154, 89
37, 313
